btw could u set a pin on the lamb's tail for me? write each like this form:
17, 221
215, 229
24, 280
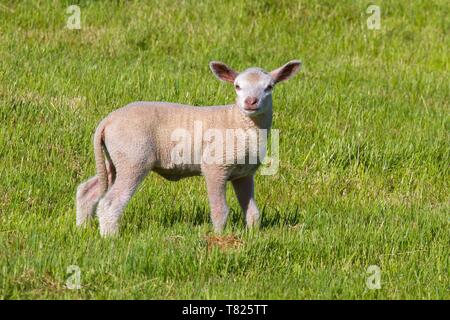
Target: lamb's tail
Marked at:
99, 147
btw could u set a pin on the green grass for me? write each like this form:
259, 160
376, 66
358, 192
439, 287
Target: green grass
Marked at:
364, 144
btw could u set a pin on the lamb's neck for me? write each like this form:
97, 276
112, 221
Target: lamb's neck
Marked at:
260, 121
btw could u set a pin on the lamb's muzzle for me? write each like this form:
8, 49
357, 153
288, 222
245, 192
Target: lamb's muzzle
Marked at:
138, 138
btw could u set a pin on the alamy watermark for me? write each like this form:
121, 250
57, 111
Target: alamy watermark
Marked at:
73, 281
374, 20
74, 20
215, 146
373, 282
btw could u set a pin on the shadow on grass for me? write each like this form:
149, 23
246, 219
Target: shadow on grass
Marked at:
199, 215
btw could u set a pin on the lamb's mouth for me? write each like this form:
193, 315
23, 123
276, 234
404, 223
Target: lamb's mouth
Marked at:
251, 108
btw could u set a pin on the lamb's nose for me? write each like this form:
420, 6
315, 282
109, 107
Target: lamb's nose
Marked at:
251, 101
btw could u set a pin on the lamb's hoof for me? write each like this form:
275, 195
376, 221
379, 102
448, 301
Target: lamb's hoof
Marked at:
81, 225
218, 229
109, 233
108, 230
82, 222
253, 222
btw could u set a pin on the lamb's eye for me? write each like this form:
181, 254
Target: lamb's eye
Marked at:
237, 87
269, 87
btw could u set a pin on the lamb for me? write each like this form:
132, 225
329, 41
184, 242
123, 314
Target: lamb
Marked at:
138, 138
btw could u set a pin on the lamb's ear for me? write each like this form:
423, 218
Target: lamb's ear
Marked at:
287, 71
222, 71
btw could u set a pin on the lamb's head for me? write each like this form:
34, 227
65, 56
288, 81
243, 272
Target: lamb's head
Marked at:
254, 86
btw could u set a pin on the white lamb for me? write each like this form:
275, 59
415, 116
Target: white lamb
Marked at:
138, 138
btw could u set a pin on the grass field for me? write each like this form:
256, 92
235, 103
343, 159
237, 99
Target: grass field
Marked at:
364, 145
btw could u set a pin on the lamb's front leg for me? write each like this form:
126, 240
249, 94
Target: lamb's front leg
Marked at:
216, 185
244, 189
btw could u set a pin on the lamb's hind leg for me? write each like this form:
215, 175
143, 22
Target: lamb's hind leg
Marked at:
111, 206
88, 194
